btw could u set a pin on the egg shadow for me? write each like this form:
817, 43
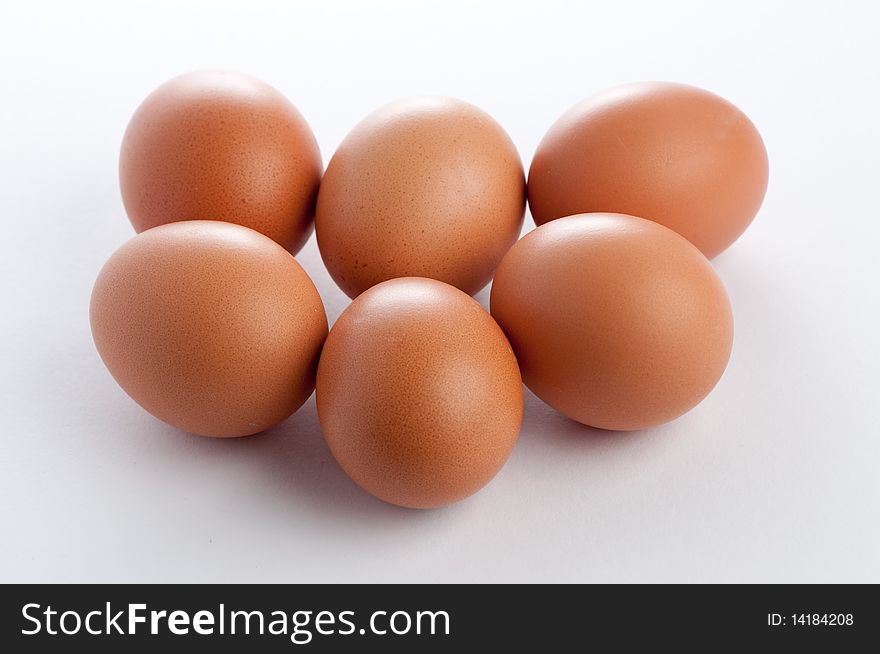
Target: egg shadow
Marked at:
286, 469
296, 455
293, 464
543, 426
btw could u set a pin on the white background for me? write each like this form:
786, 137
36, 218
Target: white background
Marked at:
773, 478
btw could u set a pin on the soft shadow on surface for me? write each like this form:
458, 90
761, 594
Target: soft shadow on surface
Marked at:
292, 462
543, 426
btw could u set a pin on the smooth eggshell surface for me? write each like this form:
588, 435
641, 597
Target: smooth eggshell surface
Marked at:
419, 394
211, 327
672, 153
617, 322
428, 187
213, 145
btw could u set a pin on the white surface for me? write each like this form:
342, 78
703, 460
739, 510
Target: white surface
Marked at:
772, 478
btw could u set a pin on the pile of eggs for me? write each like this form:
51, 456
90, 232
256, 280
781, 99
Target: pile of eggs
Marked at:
609, 310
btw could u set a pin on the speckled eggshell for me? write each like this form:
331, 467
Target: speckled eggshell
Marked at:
672, 153
617, 322
429, 187
213, 145
211, 327
419, 394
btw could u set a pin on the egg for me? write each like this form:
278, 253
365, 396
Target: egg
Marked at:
213, 145
418, 393
209, 326
671, 153
427, 187
617, 322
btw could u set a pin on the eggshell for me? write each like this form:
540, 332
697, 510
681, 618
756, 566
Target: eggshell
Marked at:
419, 395
430, 187
617, 322
675, 154
215, 145
211, 327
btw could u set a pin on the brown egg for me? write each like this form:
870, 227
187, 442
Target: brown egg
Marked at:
209, 326
428, 187
671, 153
221, 146
419, 394
617, 322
